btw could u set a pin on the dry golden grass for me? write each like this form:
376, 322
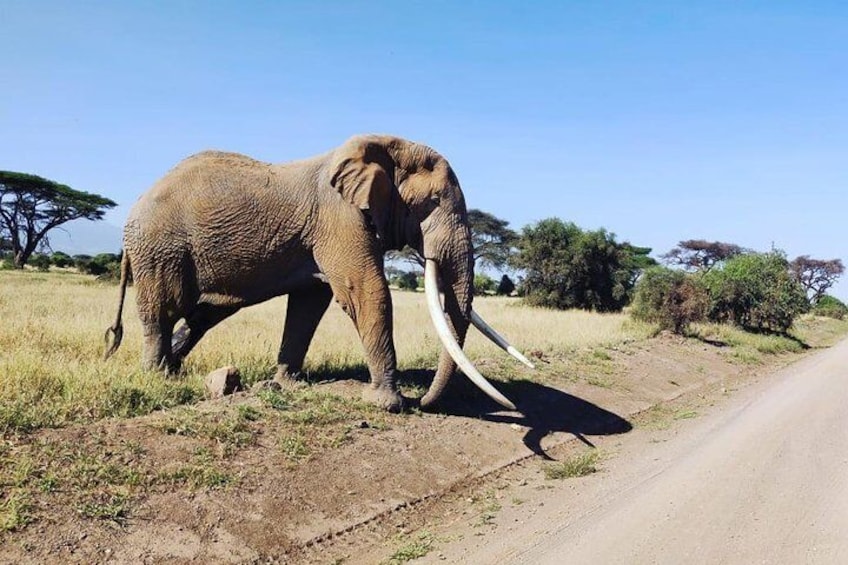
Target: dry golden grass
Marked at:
51, 346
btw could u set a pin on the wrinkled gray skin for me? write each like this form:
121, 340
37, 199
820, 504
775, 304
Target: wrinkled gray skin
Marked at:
222, 231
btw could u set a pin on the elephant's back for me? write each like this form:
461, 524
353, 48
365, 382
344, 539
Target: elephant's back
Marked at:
204, 175
227, 214
197, 186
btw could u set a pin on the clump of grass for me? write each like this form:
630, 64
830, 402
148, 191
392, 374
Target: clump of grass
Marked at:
15, 511
747, 355
412, 549
295, 447
314, 407
657, 417
201, 473
275, 399
601, 354
230, 428
578, 466
489, 507
90, 470
106, 506
601, 382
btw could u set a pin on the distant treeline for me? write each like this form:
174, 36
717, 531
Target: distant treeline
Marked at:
103, 265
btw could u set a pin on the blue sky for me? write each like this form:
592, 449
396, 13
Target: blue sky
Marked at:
659, 121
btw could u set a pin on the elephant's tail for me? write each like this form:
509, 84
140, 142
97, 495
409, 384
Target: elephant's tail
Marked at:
117, 329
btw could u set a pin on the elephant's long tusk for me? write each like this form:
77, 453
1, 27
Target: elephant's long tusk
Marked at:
431, 289
490, 333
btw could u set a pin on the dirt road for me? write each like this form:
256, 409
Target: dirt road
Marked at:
761, 478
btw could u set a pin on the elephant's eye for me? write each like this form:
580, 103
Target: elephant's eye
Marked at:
435, 199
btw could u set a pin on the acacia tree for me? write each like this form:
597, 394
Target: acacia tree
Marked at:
816, 276
31, 206
701, 255
492, 239
406, 255
492, 242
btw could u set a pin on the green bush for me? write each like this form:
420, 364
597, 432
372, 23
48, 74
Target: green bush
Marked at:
567, 267
755, 291
407, 281
670, 298
61, 260
40, 261
105, 265
483, 285
505, 287
830, 307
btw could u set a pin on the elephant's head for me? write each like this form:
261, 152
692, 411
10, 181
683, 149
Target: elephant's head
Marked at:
412, 197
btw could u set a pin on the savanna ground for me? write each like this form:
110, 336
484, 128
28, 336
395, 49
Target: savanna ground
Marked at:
100, 461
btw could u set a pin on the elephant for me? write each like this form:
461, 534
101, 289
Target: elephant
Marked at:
222, 231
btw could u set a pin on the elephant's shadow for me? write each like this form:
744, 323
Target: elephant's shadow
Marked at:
542, 409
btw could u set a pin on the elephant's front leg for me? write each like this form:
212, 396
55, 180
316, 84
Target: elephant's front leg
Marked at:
305, 309
364, 294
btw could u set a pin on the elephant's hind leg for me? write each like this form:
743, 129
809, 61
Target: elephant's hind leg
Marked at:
305, 309
163, 292
157, 328
202, 318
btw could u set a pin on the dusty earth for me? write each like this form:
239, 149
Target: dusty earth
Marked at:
760, 476
387, 488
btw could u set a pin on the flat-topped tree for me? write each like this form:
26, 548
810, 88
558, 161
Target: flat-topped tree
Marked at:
31, 206
493, 241
701, 255
816, 275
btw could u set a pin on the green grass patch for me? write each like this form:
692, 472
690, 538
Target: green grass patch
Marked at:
230, 428
106, 506
489, 507
746, 344
601, 354
295, 447
577, 466
201, 472
15, 511
412, 549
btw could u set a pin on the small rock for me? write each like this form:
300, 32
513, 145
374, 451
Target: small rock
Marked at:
515, 427
223, 381
364, 425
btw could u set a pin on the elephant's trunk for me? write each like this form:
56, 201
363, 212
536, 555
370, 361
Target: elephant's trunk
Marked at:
456, 272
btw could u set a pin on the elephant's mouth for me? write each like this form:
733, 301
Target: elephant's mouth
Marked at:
437, 314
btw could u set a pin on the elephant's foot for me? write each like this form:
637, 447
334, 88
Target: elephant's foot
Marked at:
385, 398
286, 378
174, 368
168, 367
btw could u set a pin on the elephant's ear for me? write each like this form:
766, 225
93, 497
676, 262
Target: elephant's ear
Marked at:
361, 174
